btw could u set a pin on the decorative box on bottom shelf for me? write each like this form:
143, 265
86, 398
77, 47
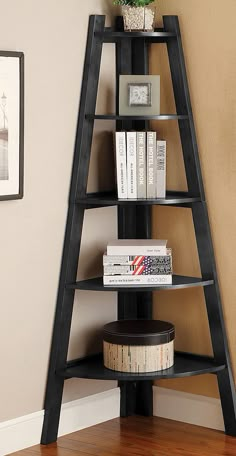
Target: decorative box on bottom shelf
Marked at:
138, 345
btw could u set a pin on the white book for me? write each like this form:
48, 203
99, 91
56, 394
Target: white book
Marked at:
161, 169
148, 247
141, 165
131, 141
151, 164
121, 166
151, 280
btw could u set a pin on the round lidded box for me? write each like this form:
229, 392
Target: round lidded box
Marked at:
138, 345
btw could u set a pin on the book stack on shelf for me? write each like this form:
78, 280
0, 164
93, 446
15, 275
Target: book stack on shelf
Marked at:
137, 262
140, 165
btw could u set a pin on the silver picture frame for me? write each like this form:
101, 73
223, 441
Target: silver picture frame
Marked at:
140, 94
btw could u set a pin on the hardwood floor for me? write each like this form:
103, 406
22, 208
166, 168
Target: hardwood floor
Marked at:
139, 436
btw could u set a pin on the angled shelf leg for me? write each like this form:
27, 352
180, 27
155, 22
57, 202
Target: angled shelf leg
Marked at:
215, 317
201, 225
75, 217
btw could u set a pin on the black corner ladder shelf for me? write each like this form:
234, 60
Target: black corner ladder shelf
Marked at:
134, 221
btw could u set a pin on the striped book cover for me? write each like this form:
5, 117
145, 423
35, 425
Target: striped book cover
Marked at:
137, 260
143, 269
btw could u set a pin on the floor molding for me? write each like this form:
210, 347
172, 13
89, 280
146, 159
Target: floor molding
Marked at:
25, 431
188, 408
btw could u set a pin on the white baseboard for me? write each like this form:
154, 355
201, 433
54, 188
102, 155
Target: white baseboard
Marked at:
25, 431
188, 408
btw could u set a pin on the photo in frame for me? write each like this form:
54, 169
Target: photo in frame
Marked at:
11, 124
139, 95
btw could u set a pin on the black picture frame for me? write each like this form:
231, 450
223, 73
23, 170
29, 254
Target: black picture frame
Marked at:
18, 191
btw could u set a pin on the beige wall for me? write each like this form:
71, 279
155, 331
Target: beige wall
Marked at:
52, 34
209, 39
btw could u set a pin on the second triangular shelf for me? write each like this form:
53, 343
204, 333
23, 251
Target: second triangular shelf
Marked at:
96, 284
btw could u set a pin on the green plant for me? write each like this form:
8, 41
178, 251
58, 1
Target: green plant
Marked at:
133, 2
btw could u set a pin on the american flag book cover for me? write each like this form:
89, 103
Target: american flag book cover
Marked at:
145, 268
138, 260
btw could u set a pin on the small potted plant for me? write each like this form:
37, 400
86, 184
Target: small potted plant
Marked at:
136, 15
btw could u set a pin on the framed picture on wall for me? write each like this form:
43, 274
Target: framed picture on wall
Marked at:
11, 124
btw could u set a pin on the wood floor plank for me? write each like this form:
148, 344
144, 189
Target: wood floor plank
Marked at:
139, 436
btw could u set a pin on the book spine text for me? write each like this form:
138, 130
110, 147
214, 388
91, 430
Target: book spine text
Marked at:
137, 260
141, 164
151, 164
161, 169
131, 138
121, 167
143, 269
138, 280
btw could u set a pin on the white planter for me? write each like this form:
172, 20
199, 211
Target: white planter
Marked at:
138, 18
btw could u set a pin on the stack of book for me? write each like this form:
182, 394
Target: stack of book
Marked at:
137, 262
140, 165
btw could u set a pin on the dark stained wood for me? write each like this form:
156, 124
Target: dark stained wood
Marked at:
158, 36
137, 118
186, 365
139, 436
96, 284
126, 218
110, 199
73, 233
134, 221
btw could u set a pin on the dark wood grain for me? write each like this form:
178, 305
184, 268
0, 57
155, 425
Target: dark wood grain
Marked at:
110, 199
134, 221
73, 232
185, 365
139, 436
136, 118
178, 282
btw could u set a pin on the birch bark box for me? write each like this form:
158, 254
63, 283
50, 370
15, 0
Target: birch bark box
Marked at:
138, 345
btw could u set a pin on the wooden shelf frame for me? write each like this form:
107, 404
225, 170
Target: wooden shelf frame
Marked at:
186, 365
134, 221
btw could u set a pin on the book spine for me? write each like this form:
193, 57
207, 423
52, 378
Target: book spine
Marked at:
143, 269
121, 167
151, 164
131, 140
138, 280
161, 169
141, 164
136, 250
137, 260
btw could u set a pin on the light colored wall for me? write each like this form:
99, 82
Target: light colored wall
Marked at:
52, 34
209, 40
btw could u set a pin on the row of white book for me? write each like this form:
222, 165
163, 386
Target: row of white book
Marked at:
140, 165
137, 262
